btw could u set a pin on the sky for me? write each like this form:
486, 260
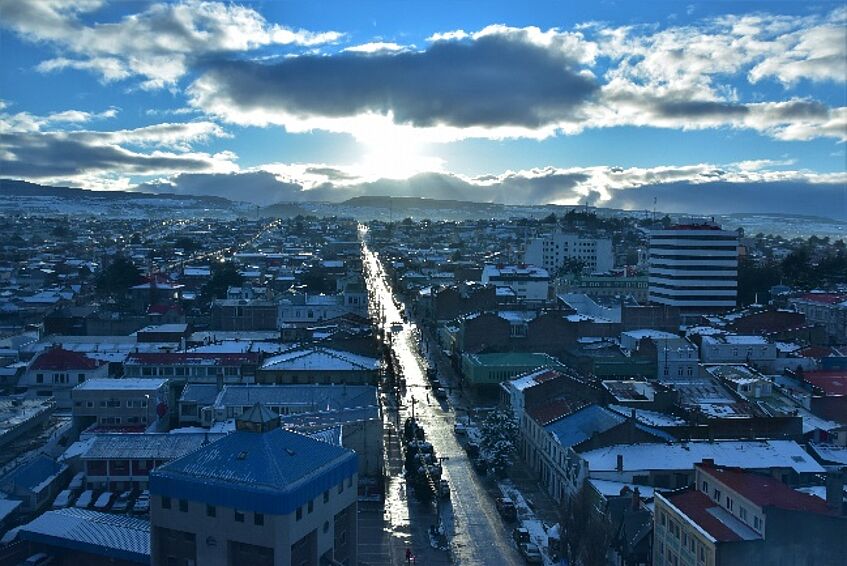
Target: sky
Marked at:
706, 107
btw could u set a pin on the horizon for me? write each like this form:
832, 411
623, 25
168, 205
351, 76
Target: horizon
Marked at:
704, 106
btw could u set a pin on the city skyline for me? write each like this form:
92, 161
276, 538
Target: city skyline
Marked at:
266, 102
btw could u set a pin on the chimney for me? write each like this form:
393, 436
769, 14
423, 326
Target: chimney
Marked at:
619, 464
835, 492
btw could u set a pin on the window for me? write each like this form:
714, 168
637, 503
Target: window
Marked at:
39, 378
705, 486
757, 523
211, 511
258, 519
183, 505
239, 516
742, 511
729, 503
299, 512
717, 495
166, 502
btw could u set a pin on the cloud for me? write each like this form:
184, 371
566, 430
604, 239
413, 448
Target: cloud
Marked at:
376, 46
157, 44
495, 81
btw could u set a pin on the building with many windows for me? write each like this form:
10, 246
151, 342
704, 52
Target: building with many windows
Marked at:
552, 251
695, 267
262, 496
529, 282
730, 516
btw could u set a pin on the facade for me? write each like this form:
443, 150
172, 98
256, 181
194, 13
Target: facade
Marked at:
530, 283
734, 517
134, 403
260, 496
304, 309
57, 371
552, 251
827, 309
319, 365
676, 357
694, 267
732, 349
608, 286
194, 367
492, 369
35, 483
243, 314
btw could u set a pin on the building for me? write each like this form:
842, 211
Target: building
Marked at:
492, 369
530, 283
304, 309
754, 350
133, 403
119, 461
261, 496
608, 286
194, 367
694, 267
676, 357
55, 372
244, 314
319, 365
80, 536
730, 516
827, 309
554, 250
35, 482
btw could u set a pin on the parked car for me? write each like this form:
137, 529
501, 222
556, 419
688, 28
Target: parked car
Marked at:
443, 489
77, 483
142, 504
460, 429
520, 535
40, 559
531, 553
64, 499
440, 393
104, 501
85, 500
472, 448
480, 465
123, 503
506, 508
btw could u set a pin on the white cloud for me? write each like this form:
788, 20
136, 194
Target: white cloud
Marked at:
157, 44
376, 46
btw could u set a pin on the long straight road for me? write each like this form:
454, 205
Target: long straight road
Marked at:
478, 535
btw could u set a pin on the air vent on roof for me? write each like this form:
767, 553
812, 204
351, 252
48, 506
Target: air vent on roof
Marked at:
290, 452
242, 455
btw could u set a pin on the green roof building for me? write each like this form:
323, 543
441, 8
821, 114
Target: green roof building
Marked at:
491, 369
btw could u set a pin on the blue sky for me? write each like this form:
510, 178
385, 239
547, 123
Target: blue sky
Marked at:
494, 101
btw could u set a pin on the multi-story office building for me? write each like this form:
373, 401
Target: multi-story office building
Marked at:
262, 496
552, 251
121, 403
694, 267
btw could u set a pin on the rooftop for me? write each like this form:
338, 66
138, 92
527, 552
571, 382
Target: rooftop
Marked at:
582, 424
59, 359
747, 454
160, 446
126, 384
118, 537
320, 359
766, 491
707, 515
270, 472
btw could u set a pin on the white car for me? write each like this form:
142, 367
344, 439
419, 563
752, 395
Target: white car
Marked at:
84, 501
142, 504
460, 429
104, 501
63, 500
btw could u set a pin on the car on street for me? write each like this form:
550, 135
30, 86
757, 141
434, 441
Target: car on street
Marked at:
472, 448
506, 508
531, 553
443, 489
460, 429
439, 393
520, 536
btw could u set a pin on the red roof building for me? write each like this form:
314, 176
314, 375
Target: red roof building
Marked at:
59, 359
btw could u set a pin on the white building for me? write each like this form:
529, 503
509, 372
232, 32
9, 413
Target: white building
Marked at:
694, 267
57, 371
732, 349
261, 496
530, 283
553, 250
676, 357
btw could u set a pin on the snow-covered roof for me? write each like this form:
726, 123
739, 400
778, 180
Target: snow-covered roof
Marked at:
126, 384
748, 454
320, 359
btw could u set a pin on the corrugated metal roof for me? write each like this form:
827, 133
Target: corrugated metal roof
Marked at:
315, 397
580, 425
102, 534
32, 473
271, 472
157, 446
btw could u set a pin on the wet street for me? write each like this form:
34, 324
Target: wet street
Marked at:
476, 533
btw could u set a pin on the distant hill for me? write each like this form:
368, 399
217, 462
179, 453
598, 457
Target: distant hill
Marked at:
13, 187
418, 203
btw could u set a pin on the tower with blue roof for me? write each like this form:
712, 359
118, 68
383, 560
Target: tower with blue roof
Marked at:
260, 496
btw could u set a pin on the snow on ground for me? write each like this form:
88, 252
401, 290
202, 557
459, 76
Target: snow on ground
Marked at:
527, 519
